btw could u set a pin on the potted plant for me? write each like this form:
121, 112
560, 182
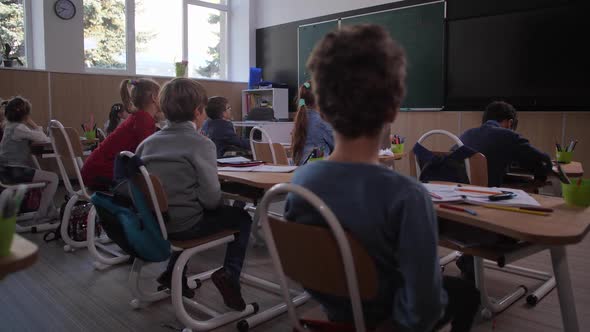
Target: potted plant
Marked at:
7, 58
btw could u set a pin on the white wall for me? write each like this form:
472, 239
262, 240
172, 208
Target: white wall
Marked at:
64, 40
242, 39
274, 12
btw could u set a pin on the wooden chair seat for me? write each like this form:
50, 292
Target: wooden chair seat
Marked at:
188, 244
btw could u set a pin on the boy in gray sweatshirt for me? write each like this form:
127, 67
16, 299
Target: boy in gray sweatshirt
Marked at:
185, 161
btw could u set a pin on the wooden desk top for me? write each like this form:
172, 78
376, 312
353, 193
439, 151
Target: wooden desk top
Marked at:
566, 225
397, 156
573, 169
23, 254
256, 179
48, 144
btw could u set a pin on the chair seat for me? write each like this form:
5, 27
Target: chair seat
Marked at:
188, 244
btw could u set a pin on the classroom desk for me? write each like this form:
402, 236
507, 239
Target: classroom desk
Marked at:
390, 160
23, 253
565, 226
45, 150
573, 169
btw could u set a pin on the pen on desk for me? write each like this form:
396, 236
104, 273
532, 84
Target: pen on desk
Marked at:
458, 208
479, 191
515, 209
558, 146
573, 146
435, 195
536, 208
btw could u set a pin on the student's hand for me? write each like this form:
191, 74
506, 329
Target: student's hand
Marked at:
30, 123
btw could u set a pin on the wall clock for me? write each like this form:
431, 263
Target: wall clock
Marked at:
65, 9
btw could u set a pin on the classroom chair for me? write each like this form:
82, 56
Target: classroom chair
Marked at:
68, 150
476, 166
496, 258
29, 215
266, 150
152, 189
327, 249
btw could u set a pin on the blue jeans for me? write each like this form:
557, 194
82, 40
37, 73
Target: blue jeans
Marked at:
222, 218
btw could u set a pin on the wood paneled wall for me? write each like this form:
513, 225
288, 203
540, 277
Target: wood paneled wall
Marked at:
541, 128
71, 98
74, 97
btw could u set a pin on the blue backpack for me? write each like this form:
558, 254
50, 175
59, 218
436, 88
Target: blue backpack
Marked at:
128, 220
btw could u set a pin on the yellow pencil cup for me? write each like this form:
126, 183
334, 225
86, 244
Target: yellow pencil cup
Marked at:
563, 157
397, 148
577, 195
90, 135
7, 229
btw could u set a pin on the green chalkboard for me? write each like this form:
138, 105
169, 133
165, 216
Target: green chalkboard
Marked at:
420, 30
308, 36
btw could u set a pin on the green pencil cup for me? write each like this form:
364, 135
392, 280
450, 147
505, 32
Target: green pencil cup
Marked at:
90, 135
397, 148
563, 157
577, 195
7, 229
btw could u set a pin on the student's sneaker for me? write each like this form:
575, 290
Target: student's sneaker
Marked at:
165, 280
230, 291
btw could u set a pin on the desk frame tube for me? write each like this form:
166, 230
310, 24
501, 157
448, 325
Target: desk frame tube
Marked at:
567, 302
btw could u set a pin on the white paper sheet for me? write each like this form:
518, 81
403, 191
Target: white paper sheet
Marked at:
452, 193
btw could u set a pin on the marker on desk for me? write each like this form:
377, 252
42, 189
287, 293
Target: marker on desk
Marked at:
458, 208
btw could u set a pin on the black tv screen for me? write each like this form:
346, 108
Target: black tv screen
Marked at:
536, 59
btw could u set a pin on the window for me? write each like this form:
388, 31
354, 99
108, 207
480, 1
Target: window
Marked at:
206, 42
147, 37
105, 45
12, 29
158, 46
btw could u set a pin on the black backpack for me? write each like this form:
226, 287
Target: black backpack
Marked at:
450, 167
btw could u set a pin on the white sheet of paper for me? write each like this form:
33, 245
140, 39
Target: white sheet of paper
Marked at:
233, 160
450, 193
274, 169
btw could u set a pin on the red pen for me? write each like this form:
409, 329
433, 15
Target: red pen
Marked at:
458, 208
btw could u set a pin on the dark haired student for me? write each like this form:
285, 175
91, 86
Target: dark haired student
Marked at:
15, 155
501, 144
390, 214
219, 128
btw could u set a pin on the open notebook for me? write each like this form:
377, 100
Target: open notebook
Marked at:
477, 195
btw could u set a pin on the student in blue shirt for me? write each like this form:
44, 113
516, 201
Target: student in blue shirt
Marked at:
219, 128
501, 144
310, 131
390, 214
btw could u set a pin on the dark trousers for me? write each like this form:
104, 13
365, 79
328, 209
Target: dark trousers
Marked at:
222, 218
463, 304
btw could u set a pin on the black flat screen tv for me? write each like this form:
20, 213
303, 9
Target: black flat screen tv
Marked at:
538, 60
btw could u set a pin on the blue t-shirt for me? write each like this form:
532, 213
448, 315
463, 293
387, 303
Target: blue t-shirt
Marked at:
394, 219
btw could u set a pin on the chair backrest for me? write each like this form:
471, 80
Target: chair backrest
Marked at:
316, 256
68, 150
151, 187
476, 166
266, 150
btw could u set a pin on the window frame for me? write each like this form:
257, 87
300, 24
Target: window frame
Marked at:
131, 60
224, 34
28, 36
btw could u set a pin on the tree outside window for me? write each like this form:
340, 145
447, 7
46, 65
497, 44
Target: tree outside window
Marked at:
12, 27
